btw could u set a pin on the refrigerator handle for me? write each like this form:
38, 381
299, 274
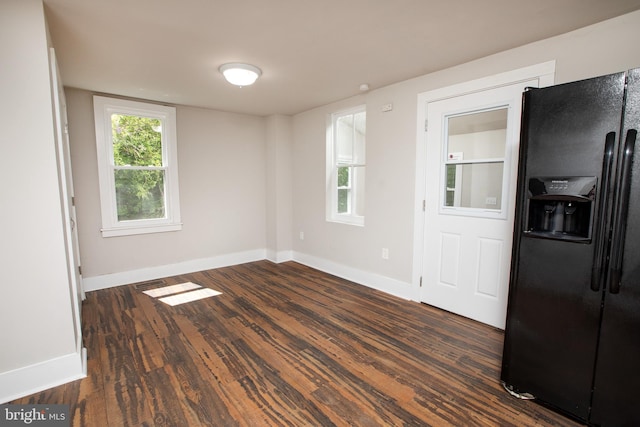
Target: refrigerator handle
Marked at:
622, 207
598, 269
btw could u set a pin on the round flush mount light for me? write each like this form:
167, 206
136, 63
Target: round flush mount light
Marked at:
240, 74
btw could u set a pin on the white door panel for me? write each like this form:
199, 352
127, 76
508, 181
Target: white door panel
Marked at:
66, 187
471, 171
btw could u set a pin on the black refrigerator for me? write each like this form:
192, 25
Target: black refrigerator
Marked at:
572, 336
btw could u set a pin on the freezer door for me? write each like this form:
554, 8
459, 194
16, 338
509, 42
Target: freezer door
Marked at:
553, 317
616, 399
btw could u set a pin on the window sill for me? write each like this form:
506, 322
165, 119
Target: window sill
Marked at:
138, 229
347, 219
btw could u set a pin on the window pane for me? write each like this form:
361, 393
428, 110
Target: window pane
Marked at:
359, 127
137, 141
139, 194
343, 177
480, 135
479, 185
345, 166
344, 139
343, 200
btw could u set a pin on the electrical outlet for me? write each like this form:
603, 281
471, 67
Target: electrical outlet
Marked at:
385, 253
302, 235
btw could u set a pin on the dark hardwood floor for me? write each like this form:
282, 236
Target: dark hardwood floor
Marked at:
286, 345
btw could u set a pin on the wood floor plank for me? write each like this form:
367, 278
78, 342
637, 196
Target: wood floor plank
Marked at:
286, 345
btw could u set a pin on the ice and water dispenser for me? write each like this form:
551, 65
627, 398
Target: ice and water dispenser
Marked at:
561, 208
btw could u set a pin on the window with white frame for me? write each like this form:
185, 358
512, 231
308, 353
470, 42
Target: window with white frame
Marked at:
137, 167
346, 136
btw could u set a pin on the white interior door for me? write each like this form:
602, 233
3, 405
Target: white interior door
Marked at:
471, 172
66, 186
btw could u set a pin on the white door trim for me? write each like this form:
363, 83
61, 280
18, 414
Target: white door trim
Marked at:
544, 72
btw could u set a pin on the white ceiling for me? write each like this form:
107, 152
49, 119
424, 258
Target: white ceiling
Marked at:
311, 52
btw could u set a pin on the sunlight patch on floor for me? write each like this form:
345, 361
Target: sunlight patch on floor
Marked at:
177, 294
173, 289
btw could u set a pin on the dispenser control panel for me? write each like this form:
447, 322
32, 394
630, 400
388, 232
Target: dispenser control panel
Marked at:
581, 186
561, 208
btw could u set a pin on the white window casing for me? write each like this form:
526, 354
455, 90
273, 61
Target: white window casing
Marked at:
346, 141
104, 109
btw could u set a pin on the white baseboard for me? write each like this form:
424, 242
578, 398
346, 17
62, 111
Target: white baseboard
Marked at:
278, 257
126, 277
376, 281
372, 280
42, 376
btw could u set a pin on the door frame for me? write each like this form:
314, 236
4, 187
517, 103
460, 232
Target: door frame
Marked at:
544, 72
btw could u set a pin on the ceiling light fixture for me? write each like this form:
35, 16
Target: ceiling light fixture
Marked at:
240, 74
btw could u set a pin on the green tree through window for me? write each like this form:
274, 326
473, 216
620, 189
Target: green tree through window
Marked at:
138, 167
343, 189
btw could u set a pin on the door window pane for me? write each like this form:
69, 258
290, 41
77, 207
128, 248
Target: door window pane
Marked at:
480, 186
474, 164
477, 136
453, 178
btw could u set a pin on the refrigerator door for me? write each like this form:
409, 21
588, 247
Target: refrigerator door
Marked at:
615, 398
554, 315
